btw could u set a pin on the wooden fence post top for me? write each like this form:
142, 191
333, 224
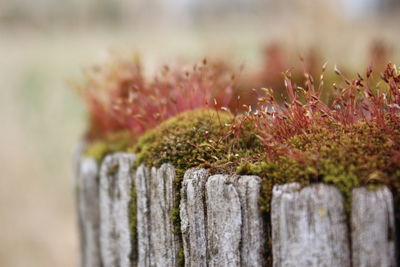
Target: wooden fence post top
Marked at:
88, 167
221, 221
113, 160
282, 189
195, 173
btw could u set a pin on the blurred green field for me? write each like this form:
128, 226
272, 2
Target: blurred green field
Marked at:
42, 119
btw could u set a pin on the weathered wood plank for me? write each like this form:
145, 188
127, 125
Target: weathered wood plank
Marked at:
224, 222
193, 218
164, 242
88, 211
253, 235
373, 228
115, 195
142, 182
309, 226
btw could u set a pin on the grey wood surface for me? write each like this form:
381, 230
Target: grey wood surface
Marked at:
142, 183
221, 221
87, 190
164, 241
252, 232
373, 228
224, 222
193, 217
309, 226
114, 197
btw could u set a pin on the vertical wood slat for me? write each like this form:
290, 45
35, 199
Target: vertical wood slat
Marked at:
253, 233
142, 183
221, 223
193, 217
164, 241
114, 197
373, 228
224, 222
220, 220
158, 244
309, 226
88, 211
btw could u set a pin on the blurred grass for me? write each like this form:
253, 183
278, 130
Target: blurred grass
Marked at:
42, 119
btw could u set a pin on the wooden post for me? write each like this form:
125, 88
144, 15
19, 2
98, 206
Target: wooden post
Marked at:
164, 241
142, 182
158, 244
221, 222
224, 222
115, 195
253, 234
193, 218
373, 228
309, 226
88, 211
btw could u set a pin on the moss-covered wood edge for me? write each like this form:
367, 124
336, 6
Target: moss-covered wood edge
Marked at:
225, 205
201, 139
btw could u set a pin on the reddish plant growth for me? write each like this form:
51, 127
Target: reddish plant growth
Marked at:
357, 100
277, 59
119, 97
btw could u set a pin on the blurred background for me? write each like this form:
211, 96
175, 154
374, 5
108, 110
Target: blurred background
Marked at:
44, 44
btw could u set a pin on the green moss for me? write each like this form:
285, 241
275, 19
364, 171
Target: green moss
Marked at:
192, 139
133, 223
196, 138
352, 156
280, 171
181, 257
115, 142
346, 156
184, 141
